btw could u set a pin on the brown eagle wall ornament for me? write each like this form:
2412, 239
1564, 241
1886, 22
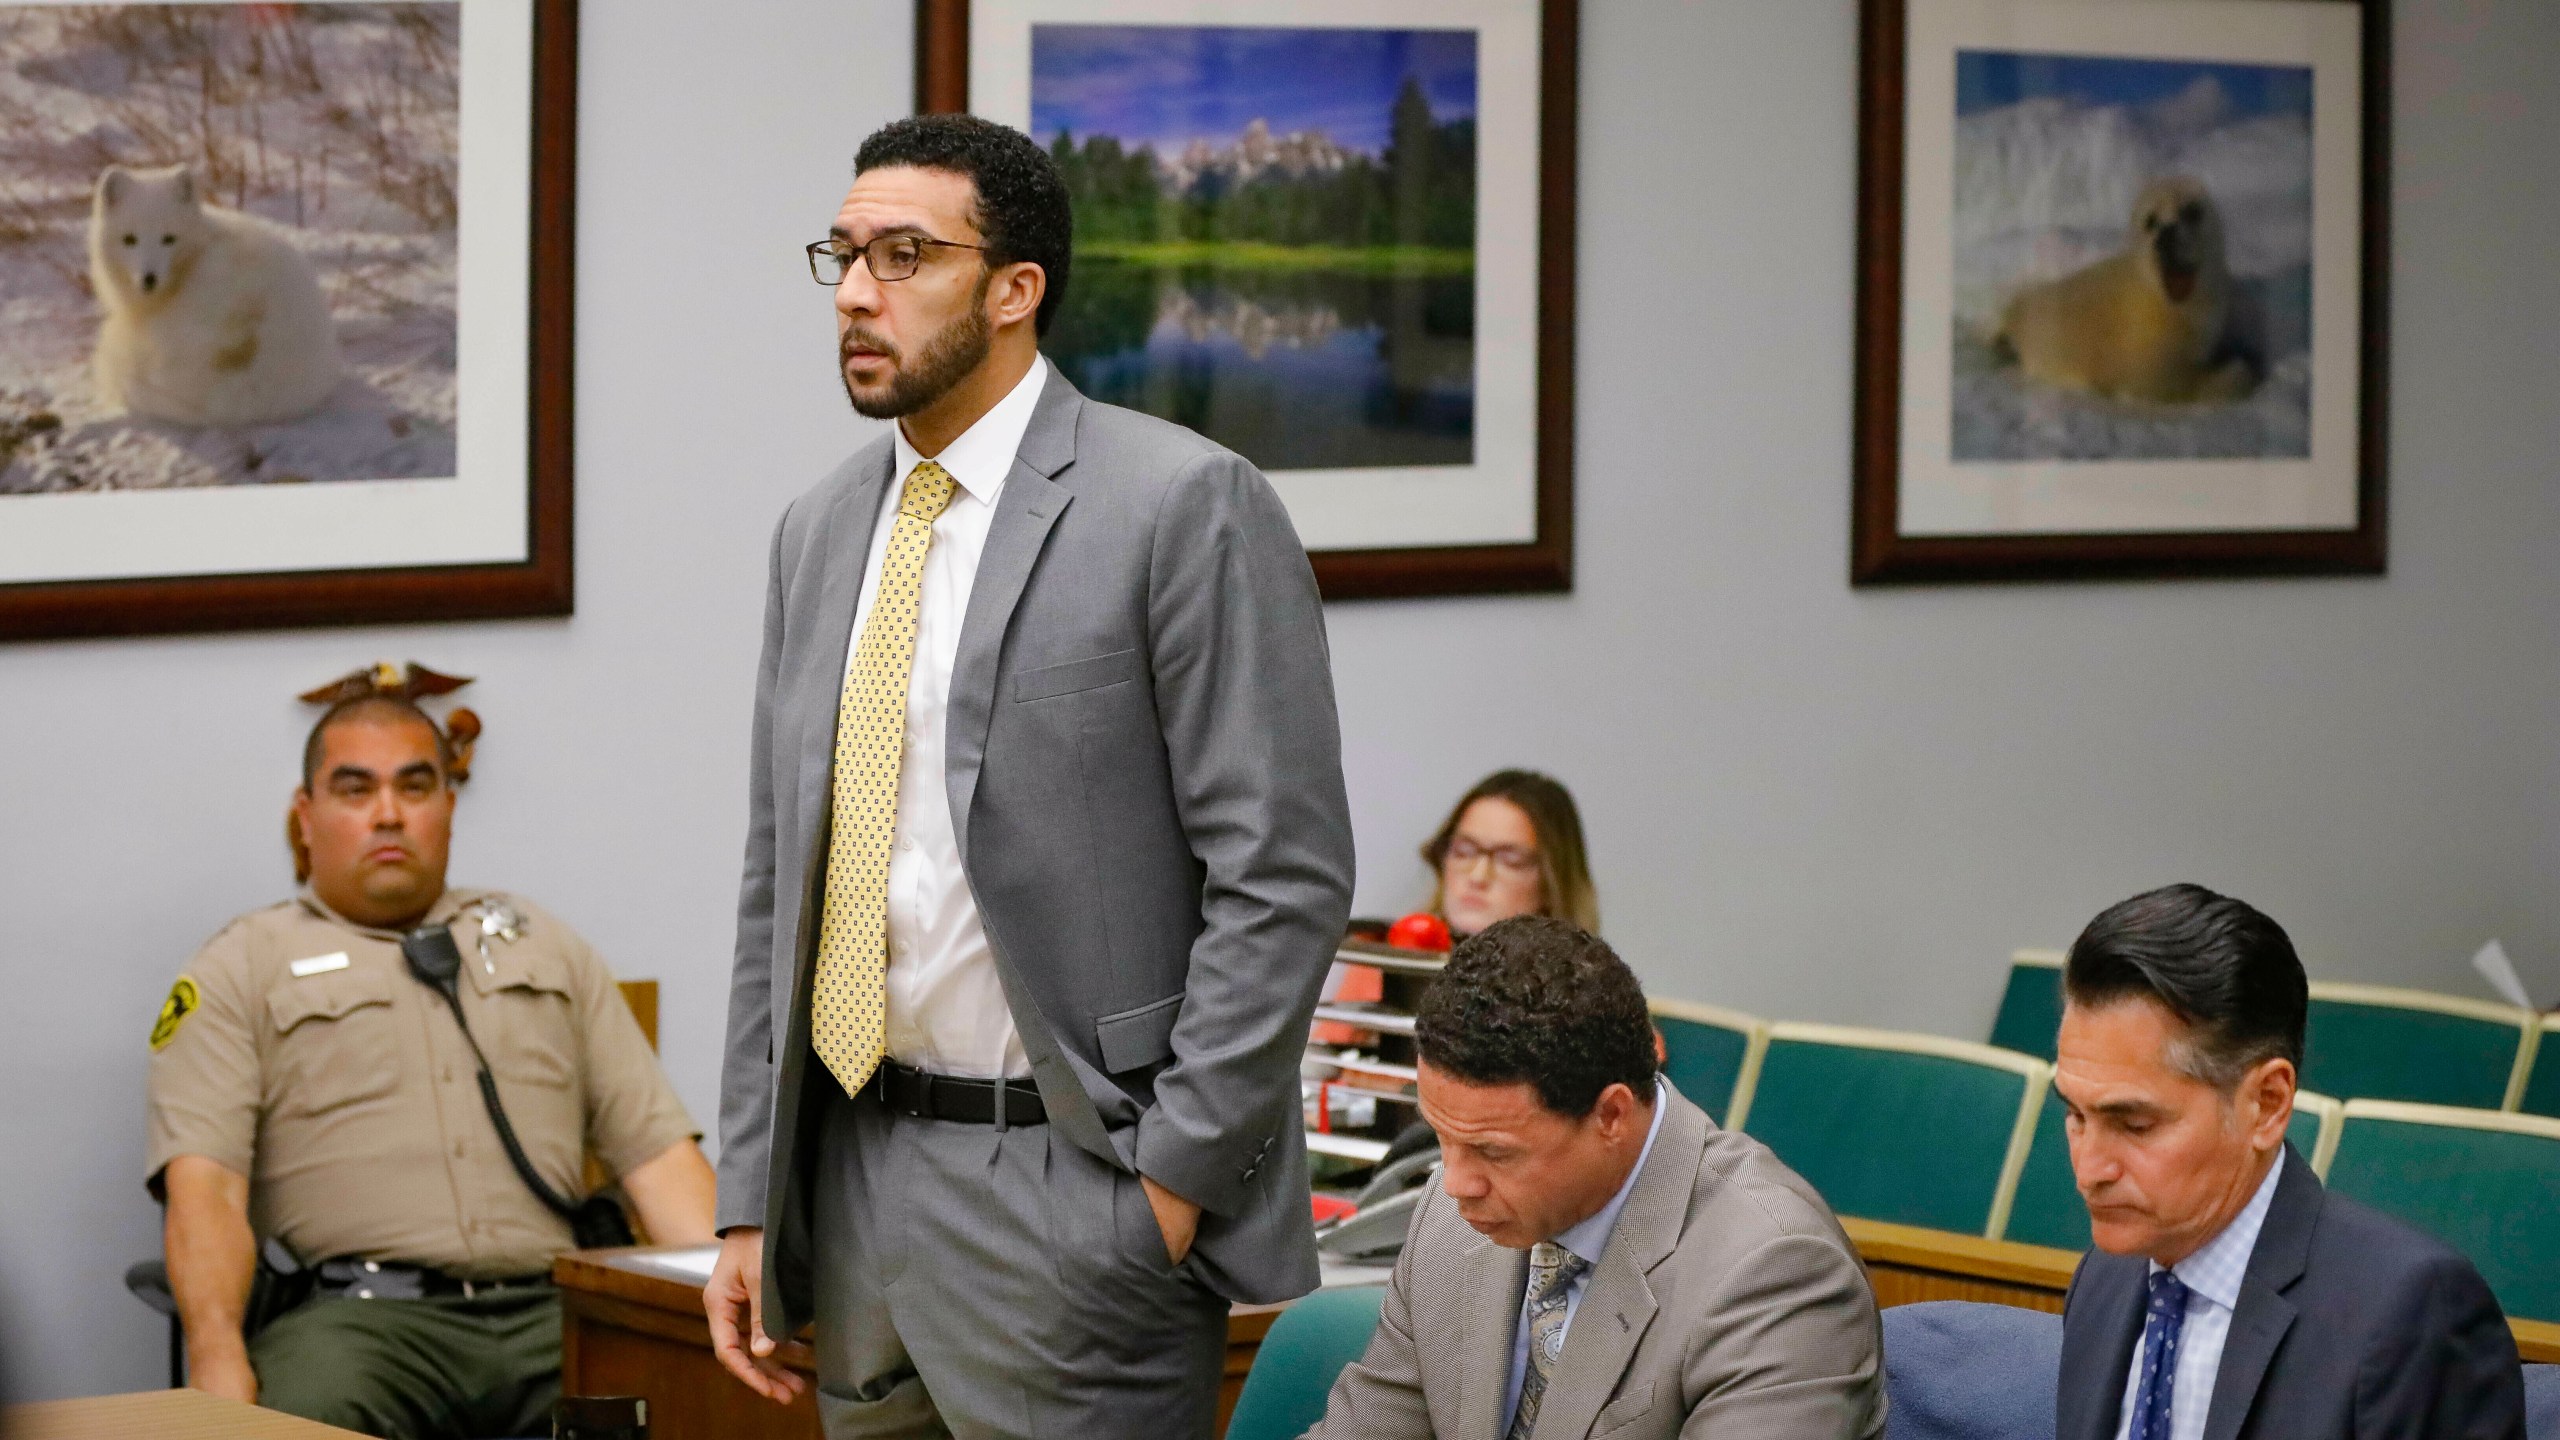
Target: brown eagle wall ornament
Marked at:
461, 725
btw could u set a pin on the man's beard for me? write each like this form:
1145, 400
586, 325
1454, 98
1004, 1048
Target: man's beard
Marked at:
948, 358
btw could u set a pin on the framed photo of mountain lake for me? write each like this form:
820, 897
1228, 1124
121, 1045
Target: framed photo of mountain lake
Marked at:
1335, 236
289, 300
2121, 299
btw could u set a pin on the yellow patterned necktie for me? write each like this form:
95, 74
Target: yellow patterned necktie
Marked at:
850, 1006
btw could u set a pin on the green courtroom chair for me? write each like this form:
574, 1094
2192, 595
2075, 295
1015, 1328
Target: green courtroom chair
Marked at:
2541, 1095
1307, 1348
1711, 1055
2370, 1042
2048, 1209
1885, 1125
2486, 1183
2031, 1006
2314, 1130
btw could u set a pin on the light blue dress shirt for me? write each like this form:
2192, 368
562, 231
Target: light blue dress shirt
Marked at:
2212, 1276
1586, 1240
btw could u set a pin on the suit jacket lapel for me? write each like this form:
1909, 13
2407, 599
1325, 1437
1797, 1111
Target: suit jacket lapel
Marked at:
844, 552
2097, 1351
2259, 1323
1618, 1304
1030, 504
1490, 1293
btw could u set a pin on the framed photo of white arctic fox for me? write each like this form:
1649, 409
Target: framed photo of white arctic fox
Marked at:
1334, 236
288, 299
2121, 289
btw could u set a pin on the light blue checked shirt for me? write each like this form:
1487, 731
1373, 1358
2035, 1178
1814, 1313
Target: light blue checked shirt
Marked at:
2212, 1276
1586, 1240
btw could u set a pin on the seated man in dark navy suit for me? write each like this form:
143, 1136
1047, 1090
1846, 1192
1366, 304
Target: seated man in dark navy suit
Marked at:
2229, 1295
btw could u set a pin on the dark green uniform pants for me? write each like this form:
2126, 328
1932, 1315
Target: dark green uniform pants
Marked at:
441, 1369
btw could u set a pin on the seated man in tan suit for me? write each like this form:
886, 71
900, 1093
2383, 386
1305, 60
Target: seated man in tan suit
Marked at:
1600, 1259
308, 1091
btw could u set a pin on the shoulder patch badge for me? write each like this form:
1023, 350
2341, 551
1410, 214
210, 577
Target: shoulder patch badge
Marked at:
182, 1002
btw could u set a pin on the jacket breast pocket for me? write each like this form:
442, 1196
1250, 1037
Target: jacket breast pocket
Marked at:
337, 1042
1088, 674
1133, 1039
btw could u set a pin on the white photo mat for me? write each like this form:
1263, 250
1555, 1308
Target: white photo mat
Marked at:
1492, 501
1941, 497
476, 517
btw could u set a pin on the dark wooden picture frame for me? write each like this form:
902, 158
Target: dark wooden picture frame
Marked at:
1881, 554
1544, 563
541, 584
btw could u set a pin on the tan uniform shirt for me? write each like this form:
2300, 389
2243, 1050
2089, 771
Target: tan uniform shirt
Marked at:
298, 1050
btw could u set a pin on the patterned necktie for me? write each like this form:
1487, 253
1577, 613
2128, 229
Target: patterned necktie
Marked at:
2152, 1402
1552, 1271
849, 1009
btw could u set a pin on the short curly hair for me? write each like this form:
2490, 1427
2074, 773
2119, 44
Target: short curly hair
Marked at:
1023, 212
1539, 1000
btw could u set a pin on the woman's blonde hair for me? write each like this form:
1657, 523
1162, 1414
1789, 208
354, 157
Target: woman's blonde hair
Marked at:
1564, 865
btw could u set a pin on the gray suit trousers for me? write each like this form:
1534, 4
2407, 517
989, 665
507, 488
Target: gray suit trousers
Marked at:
976, 1282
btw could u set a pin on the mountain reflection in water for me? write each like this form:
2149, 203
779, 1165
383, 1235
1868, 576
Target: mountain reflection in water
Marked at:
1293, 369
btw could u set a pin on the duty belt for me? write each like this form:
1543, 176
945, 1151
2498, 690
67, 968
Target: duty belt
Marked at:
927, 1096
383, 1280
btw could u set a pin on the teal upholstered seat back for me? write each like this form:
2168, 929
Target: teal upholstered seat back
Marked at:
1295, 1369
1891, 1134
2368, 1051
2030, 1009
2542, 1086
2493, 1194
1704, 1060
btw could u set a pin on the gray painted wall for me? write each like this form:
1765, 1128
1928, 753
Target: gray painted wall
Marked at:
1804, 801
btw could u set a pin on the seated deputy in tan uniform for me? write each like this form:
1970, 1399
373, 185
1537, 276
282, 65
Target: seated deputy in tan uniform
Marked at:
307, 1090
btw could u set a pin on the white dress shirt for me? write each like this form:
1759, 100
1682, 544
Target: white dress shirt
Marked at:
1585, 1241
2212, 1276
947, 1010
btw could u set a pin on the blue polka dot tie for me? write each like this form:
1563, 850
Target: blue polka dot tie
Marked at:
2160, 1329
850, 1005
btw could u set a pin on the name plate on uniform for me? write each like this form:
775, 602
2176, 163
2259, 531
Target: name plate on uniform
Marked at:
320, 964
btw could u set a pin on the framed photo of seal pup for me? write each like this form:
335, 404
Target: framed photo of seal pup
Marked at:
1333, 236
289, 301
2121, 307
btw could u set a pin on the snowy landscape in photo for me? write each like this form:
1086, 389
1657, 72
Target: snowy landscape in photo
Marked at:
2052, 153
335, 130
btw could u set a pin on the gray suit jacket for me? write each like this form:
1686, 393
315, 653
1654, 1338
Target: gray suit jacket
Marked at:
1145, 777
1728, 1304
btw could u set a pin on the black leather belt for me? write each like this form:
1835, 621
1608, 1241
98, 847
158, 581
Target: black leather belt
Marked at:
928, 1096
383, 1280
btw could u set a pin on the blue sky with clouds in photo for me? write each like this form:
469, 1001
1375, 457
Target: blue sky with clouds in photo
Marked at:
1991, 79
1166, 85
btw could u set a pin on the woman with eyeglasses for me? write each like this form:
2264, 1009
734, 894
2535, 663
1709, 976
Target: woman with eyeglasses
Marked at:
1512, 846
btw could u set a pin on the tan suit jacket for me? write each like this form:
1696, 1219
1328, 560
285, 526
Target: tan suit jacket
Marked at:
1727, 1304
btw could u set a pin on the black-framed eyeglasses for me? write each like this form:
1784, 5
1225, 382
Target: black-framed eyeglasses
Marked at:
890, 257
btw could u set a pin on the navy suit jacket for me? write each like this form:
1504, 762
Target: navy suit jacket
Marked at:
2349, 1325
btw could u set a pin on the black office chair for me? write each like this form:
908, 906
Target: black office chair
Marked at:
149, 1282
281, 1283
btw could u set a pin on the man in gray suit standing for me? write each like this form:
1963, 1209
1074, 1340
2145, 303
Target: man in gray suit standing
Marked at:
1047, 856
1599, 1258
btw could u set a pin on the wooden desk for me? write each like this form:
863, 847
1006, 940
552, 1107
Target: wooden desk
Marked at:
632, 1324
160, 1415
